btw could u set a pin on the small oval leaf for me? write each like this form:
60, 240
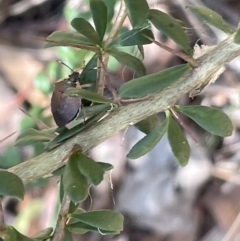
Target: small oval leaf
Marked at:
67, 235
105, 166
148, 124
11, 234
134, 37
86, 29
137, 12
11, 185
43, 234
31, 136
128, 60
105, 220
64, 38
148, 142
170, 27
74, 183
211, 17
211, 119
89, 74
90, 169
88, 95
66, 134
99, 14
237, 36
152, 83
178, 142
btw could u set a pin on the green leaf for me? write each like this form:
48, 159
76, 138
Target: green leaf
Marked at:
72, 207
211, 17
89, 74
86, 29
59, 171
64, 38
152, 83
74, 183
134, 37
211, 119
105, 166
66, 134
42, 83
88, 95
67, 235
128, 60
148, 124
148, 142
89, 111
237, 36
178, 142
137, 12
31, 136
90, 169
11, 234
82, 228
99, 14
105, 220
170, 27
11, 185
43, 234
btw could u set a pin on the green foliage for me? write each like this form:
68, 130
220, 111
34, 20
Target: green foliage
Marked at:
80, 171
74, 183
99, 14
11, 234
10, 157
85, 28
137, 13
103, 221
152, 83
11, 185
43, 234
128, 60
66, 133
133, 37
178, 142
148, 124
90, 169
31, 136
211, 17
211, 119
237, 36
170, 27
148, 142
88, 95
64, 38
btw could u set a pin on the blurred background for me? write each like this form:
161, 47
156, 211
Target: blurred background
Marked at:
160, 201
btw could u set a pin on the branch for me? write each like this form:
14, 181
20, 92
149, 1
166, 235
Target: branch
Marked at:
44, 164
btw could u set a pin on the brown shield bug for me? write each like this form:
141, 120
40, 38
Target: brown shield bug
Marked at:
65, 108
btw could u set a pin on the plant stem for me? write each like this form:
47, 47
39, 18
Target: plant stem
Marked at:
62, 218
2, 223
117, 25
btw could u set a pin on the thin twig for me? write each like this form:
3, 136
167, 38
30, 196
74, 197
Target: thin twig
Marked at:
2, 223
109, 85
181, 55
41, 125
117, 25
5, 138
62, 218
